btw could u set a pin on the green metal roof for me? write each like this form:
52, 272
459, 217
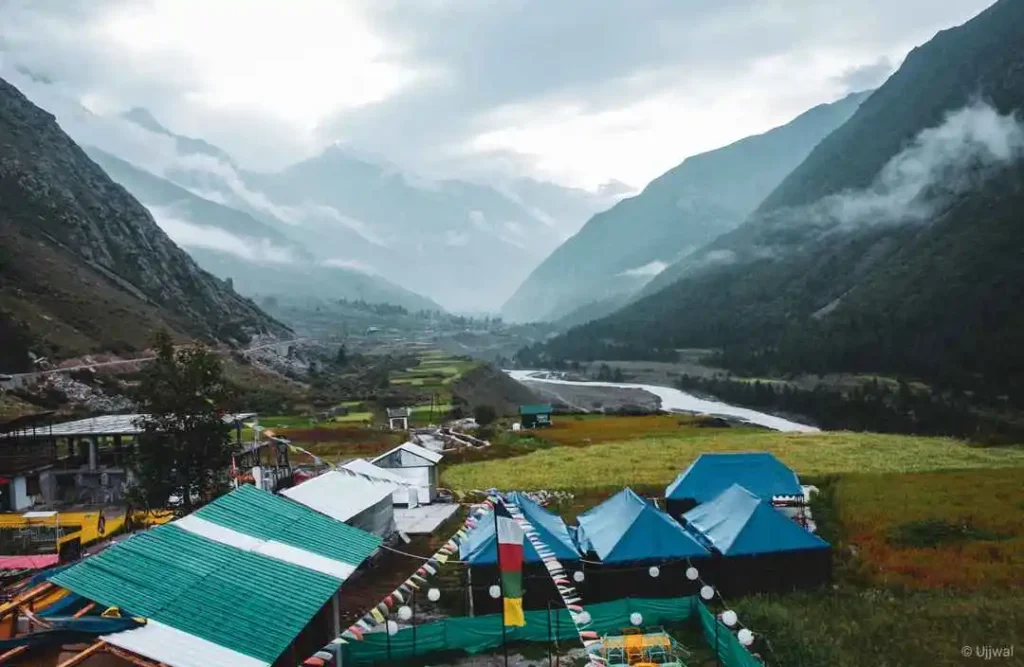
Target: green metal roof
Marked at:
244, 601
263, 515
536, 409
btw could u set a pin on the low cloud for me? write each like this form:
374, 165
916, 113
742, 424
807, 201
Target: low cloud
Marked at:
647, 270
942, 162
189, 235
351, 264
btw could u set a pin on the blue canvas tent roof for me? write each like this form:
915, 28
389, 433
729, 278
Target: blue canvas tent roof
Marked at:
627, 529
711, 474
738, 523
479, 546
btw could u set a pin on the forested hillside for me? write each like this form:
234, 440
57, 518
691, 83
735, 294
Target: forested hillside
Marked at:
894, 248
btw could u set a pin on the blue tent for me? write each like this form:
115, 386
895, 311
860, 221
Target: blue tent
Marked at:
628, 529
479, 546
711, 474
738, 523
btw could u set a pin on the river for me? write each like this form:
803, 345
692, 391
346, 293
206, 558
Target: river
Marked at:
674, 400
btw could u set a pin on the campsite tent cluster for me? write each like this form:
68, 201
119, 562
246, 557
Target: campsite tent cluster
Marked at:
732, 533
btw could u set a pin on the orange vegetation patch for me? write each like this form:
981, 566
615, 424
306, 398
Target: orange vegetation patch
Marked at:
582, 430
957, 529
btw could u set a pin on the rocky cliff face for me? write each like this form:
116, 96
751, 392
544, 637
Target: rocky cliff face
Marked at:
77, 248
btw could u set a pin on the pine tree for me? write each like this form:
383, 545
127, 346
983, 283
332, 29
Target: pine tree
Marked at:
184, 452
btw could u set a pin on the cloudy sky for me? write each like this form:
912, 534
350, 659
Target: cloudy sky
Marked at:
575, 91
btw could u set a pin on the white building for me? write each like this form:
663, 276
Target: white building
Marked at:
346, 496
416, 464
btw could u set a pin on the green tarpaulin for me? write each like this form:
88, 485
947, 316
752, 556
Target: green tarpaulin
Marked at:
482, 633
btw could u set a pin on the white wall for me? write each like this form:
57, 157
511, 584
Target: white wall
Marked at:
419, 477
21, 500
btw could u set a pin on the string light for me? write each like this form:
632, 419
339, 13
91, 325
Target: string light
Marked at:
578, 576
433, 595
404, 613
654, 571
636, 618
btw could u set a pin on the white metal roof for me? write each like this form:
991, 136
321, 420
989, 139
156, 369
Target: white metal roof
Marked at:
173, 647
340, 495
112, 425
413, 448
269, 548
364, 467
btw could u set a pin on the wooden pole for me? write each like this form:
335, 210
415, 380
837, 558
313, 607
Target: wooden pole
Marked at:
84, 655
550, 655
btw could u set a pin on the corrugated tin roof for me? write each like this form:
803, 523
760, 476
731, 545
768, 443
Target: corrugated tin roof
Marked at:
263, 515
238, 600
535, 409
163, 643
113, 425
364, 467
270, 548
411, 447
340, 495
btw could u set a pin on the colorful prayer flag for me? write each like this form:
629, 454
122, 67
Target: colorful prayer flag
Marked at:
510, 564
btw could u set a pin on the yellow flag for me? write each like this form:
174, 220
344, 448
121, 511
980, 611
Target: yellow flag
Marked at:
377, 616
514, 612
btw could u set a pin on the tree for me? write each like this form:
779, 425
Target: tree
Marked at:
342, 358
184, 451
485, 414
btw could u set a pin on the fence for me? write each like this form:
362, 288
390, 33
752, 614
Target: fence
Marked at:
481, 633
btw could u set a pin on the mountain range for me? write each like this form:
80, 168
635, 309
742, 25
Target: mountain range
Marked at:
261, 259
83, 266
389, 234
620, 250
894, 247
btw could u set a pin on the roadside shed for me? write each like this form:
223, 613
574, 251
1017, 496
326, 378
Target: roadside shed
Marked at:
535, 415
629, 534
415, 464
360, 501
710, 474
760, 549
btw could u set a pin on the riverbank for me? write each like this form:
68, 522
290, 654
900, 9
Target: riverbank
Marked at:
670, 398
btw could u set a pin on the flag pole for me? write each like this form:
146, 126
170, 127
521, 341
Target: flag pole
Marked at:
501, 586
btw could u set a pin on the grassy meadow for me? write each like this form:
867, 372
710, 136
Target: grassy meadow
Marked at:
657, 459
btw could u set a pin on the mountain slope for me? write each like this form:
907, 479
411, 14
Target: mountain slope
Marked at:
901, 257
259, 259
439, 237
618, 251
83, 264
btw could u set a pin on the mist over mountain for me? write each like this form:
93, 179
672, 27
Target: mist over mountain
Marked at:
894, 247
260, 259
434, 238
620, 250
